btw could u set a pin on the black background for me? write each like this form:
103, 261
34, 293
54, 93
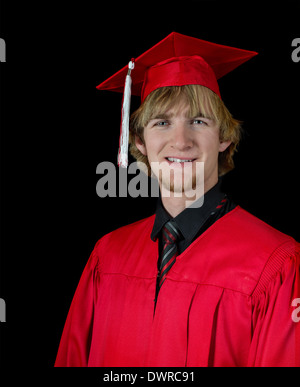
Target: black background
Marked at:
56, 128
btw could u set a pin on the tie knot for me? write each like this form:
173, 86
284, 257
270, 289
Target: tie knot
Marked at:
171, 233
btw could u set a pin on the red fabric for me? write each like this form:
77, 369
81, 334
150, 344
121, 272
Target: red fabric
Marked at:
180, 71
227, 301
215, 61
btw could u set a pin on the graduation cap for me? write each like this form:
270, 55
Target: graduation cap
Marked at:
177, 60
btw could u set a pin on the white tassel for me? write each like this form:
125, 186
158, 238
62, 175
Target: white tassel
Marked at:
124, 136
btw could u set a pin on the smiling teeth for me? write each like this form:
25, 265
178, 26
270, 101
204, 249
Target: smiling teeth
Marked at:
173, 159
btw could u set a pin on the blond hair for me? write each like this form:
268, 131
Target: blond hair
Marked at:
199, 99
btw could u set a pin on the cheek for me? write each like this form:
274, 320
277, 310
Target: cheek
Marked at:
209, 143
153, 144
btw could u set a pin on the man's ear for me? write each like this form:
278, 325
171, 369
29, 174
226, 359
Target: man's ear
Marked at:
140, 145
224, 145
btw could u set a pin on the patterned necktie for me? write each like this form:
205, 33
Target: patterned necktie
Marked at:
170, 237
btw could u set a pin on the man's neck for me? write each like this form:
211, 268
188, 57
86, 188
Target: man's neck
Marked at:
175, 205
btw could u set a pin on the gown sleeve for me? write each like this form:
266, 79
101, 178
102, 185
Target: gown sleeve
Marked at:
276, 312
76, 337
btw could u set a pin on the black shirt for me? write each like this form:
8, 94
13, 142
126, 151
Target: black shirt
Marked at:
192, 222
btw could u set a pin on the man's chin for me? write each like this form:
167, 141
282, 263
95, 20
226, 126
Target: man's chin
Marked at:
179, 188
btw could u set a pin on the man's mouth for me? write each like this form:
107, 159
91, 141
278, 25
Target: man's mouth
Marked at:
176, 160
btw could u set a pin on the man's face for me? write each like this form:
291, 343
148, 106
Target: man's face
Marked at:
175, 143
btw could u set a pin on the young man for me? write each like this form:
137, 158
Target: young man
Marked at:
205, 285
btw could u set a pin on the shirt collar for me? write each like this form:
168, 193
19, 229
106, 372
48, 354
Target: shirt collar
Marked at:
189, 220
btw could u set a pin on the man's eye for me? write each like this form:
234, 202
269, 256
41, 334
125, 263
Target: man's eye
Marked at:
161, 123
199, 122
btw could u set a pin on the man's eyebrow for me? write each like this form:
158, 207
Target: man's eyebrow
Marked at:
166, 116
162, 116
201, 115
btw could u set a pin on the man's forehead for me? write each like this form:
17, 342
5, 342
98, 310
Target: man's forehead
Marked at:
182, 110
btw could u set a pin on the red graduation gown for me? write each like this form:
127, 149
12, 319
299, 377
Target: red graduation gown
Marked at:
227, 301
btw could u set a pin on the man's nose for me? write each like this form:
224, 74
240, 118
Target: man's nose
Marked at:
182, 138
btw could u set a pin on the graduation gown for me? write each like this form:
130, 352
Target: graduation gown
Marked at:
230, 299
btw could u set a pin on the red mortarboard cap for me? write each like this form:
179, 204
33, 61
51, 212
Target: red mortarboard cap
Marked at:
179, 60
